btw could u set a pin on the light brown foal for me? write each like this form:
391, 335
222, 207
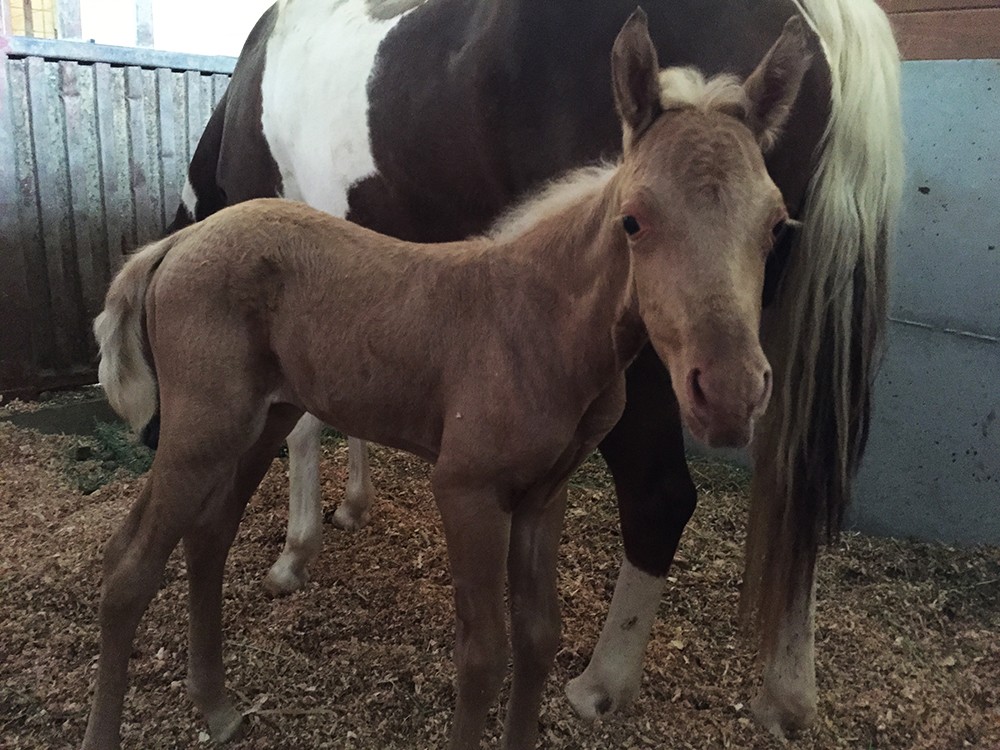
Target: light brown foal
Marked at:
501, 360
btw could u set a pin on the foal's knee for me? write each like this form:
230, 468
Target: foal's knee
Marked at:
481, 654
124, 595
481, 665
536, 639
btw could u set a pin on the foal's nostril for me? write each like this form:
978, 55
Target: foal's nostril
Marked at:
698, 397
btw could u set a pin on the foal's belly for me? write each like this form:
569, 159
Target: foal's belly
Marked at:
377, 402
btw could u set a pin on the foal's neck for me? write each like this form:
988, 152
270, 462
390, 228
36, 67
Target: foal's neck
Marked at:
571, 237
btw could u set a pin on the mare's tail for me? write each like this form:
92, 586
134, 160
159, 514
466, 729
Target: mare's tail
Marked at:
824, 335
125, 372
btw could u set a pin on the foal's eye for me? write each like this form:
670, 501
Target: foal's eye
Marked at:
631, 225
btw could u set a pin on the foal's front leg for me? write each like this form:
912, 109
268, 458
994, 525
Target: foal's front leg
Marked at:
355, 512
534, 614
477, 531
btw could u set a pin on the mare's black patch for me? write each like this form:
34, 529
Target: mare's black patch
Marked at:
777, 261
150, 435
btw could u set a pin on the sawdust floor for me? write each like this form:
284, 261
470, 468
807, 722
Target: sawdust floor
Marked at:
907, 641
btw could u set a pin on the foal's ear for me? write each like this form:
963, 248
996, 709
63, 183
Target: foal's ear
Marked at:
634, 77
773, 86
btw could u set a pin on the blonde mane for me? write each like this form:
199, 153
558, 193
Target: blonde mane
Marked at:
684, 88
553, 198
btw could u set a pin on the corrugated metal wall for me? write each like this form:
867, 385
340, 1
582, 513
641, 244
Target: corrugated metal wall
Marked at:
92, 161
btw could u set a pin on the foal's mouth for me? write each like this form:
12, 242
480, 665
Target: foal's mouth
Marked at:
735, 434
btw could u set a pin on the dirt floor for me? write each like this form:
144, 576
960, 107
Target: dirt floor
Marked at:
907, 641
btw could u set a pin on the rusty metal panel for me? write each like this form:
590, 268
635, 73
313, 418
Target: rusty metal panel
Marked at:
172, 147
15, 305
93, 156
112, 138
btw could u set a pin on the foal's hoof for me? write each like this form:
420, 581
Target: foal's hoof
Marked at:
225, 724
786, 714
282, 579
350, 520
593, 698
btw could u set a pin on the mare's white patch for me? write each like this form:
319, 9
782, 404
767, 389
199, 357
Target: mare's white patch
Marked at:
189, 199
304, 537
787, 699
612, 678
315, 97
553, 198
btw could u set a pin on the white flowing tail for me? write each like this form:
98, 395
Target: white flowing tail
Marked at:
125, 371
824, 337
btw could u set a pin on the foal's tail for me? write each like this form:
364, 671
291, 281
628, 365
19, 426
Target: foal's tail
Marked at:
125, 372
824, 336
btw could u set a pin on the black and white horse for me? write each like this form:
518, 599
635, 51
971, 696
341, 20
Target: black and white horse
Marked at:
425, 119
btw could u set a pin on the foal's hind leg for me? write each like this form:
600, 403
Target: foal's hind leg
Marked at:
534, 614
206, 547
304, 537
133, 564
181, 485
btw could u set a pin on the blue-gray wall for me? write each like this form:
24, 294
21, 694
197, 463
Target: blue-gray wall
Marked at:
932, 469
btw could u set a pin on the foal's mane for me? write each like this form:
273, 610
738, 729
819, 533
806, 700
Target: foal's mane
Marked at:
553, 198
687, 88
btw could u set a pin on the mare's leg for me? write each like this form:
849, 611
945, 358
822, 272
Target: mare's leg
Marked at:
355, 512
304, 537
787, 699
191, 475
534, 614
206, 548
656, 497
477, 531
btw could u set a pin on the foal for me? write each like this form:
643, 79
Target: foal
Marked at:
500, 360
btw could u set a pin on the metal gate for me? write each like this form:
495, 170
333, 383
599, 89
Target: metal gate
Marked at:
94, 145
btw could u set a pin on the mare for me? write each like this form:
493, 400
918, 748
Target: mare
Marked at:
426, 120
501, 360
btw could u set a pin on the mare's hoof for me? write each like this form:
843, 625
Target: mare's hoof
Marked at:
349, 520
593, 698
282, 579
784, 715
225, 724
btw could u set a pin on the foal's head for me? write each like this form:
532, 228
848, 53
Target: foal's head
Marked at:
701, 215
